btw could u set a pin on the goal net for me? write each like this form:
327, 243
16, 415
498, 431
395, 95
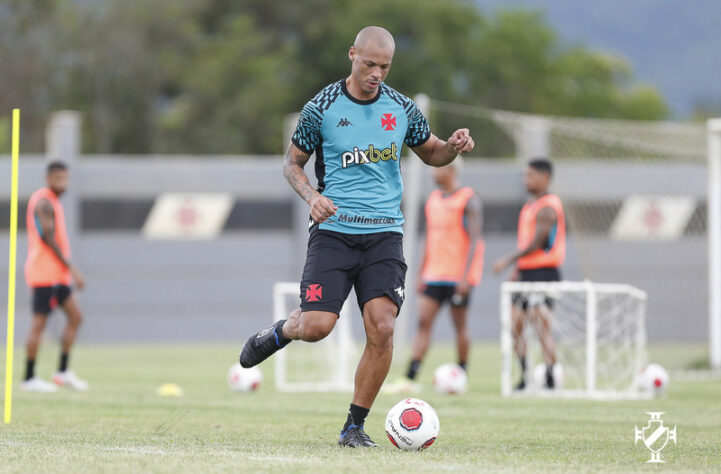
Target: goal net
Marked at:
322, 366
598, 331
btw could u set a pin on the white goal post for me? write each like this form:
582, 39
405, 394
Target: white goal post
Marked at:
323, 366
714, 240
599, 333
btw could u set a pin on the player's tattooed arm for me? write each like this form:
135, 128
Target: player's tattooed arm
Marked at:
46, 218
474, 225
295, 161
544, 222
436, 152
321, 208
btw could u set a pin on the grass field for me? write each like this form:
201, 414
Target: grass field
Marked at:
121, 425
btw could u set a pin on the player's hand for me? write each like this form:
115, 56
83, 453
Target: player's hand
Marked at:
462, 289
77, 278
461, 141
501, 264
321, 208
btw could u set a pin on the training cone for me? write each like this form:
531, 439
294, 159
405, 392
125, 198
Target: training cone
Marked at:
169, 390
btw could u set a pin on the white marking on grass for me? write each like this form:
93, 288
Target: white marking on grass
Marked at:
277, 458
134, 449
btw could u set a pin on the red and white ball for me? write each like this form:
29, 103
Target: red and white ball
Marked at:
244, 380
412, 425
653, 379
450, 379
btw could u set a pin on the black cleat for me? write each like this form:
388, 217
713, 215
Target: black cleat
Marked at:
355, 437
261, 346
521, 385
550, 382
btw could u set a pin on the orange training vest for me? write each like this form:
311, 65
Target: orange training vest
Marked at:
447, 241
552, 256
43, 268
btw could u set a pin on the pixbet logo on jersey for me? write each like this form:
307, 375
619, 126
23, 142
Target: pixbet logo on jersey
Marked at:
371, 155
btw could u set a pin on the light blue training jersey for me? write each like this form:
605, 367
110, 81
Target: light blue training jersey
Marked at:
358, 149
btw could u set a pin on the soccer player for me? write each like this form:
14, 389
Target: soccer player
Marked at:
541, 252
452, 265
356, 127
50, 274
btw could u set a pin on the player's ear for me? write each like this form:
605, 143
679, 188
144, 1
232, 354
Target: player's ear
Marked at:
351, 53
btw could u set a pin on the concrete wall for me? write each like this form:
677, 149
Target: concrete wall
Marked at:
140, 290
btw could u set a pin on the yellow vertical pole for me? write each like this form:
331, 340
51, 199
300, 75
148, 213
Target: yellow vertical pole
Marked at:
11, 267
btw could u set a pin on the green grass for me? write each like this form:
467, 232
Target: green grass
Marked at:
121, 425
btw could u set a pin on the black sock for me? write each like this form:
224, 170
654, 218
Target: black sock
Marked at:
413, 369
63, 362
29, 369
549, 371
279, 333
463, 364
523, 367
550, 383
356, 416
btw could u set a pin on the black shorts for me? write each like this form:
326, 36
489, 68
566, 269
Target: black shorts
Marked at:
47, 298
536, 275
336, 262
444, 293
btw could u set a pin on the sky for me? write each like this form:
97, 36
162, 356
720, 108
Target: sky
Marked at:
672, 44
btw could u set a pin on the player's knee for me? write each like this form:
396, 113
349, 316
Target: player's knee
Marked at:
517, 327
294, 316
312, 330
382, 334
77, 319
424, 324
37, 328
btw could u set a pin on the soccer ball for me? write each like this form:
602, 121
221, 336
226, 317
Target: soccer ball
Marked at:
450, 379
653, 379
244, 380
412, 425
539, 375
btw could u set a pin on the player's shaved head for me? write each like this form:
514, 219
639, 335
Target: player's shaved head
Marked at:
371, 56
375, 36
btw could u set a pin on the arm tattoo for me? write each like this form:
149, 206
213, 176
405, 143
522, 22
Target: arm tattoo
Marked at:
46, 214
293, 165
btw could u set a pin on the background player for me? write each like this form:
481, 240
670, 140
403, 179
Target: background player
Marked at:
356, 127
50, 274
452, 265
541, 252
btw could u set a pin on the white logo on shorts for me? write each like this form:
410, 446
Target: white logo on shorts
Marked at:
399, 290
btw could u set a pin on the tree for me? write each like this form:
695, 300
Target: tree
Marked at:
211, 76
